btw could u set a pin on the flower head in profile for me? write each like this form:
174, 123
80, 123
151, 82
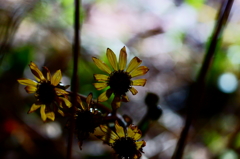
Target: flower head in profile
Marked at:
124, 142
119, 79
87, 118
48, 91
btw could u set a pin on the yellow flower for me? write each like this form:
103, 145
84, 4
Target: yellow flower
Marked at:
87, 118
48, 91
123, 142
119, 79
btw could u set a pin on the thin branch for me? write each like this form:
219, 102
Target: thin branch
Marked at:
197, 91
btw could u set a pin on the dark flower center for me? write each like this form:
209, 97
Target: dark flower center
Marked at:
120, 82
46, 93
125, 147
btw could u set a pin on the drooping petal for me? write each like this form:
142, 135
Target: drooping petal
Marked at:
125, 98
56, 78
142, 70
101, 65
25, 81
133, 90
122, 58
119, 130
50, 115
116, 103
104, 96
60, 91
66, 101
100, 86
134, 63
31, 89
42, 112
61, 112
112, 59
140, 144
139, 82
134, 132
89, 99
36, 72
100, 77
33, 108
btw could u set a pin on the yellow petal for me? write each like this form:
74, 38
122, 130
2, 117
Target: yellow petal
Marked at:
142, 70
66, 101
31, 89
139, 82
119, 130
106, 138
60, 91
125, 98
89, 99
140, 144
116, 103
112, 59
61, 112
100, 86
56, 78
101, 65
134, 63
109, 132
134, 132
133, 90
48, 74
122, 58
36, 72
42, 112
100, 77
25, 81
104, 96
33, 108
50, 115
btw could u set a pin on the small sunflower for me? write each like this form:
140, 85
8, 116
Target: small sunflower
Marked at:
49, 92
123, 142
87, 118
119, 80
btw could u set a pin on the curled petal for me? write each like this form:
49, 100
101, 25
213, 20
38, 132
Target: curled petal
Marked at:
100, 77
142, 70
105, 96
133, 90
119, 130
122, 58
101, 65
36, 72
31, 89
134, 63
61, 112
25, 81
33, 108
139, 82
56, 78
100, 86
50, 115
112, 59
42, 112
140, 144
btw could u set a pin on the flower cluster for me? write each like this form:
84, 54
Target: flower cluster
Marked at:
51, 97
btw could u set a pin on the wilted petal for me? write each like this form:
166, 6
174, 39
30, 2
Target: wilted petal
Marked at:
48, 74
42, 112
50, 115
36, 72
105, 95
112, 59
133, 90
89, 99
139, 82
140, 144
31, 89
142, 70
100, 86
119, 130
116, 103
25, 81
33, 108
122, 58
101, 65
100, 77
125, 98
134, 63
61, 112
56, 78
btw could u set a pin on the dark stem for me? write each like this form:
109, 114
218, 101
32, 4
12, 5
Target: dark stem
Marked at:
74, 82
197, 91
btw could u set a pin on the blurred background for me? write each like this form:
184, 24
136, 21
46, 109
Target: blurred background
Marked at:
169, 36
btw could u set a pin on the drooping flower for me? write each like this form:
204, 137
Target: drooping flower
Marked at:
87, 118
119, 79
124, 142
49, 92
